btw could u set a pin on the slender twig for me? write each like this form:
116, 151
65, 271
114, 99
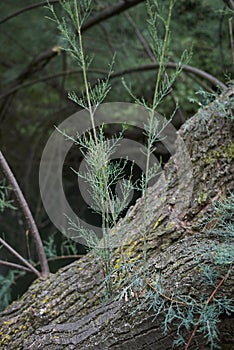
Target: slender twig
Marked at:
207, 302
231, 37
230, 4
141, 38
27, 214
16, 266
55, 258
153, 60
15, 253
26, 9
108, 12
27, 243
165, 296
64, 257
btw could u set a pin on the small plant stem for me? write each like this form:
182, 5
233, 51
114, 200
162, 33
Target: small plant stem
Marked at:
151, 120
28, 216
88, 96
25, 262
217, 288
151, 56
192, 335
162, 57
84, 70
83, 64
165, 296
207, 302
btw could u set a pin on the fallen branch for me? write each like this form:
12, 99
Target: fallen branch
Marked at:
148, 67
15, 253
28, 216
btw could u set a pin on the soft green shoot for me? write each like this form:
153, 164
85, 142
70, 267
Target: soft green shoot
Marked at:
155, 125
4, 202
50, 246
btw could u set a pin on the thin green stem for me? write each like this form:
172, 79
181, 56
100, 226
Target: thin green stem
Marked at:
151, 123
161, 62
84, 70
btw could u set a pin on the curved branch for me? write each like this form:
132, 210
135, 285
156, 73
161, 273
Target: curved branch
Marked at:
37, 64
230, 4
16, 266
15, 253
171, 65
27, 8
28, 216
106, 13
110, 11
199, 72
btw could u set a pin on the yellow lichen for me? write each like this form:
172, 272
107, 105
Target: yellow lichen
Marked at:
157, 223
225, 151
45, 300
202, 197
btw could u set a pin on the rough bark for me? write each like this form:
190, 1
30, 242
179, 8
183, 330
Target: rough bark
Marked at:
67, 310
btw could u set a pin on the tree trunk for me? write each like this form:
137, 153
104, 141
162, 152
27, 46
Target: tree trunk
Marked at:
68, 311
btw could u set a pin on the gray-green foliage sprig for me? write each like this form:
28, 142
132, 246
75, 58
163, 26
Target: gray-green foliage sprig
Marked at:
223, 108
4, 202
101, 174
155, 126
69, 27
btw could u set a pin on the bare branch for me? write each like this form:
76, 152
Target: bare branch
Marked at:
148, 67
108, 12
27, 8
64, 257
16, 266
28, 216
36, 65
171, 65
15, 253
230, 4
141, 38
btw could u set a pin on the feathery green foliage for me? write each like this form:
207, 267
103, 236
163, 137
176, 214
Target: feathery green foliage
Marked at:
158, 23
101, 174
